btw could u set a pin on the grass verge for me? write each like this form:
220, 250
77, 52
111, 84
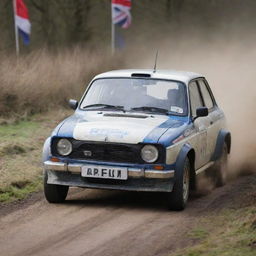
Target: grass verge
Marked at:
21, 190
230, 232
20, 153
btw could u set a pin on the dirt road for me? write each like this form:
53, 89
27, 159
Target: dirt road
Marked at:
94, 222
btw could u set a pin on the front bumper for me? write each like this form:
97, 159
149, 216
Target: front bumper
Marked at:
132, 172
139, 179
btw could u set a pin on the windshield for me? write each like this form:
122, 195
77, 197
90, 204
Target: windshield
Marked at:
136, 94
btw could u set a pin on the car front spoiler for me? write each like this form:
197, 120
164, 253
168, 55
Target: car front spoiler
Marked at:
131, 184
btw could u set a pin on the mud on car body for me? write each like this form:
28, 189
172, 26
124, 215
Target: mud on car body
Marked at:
139, 130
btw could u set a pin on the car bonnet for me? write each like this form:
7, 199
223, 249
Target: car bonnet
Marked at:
118, 127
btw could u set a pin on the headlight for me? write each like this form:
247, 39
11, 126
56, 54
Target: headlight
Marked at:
64, 147
149, 153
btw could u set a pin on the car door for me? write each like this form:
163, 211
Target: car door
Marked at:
201, 125
214, 116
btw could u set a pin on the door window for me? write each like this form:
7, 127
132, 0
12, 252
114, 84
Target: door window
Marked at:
195, 98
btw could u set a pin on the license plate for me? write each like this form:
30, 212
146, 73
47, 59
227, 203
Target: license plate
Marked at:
104, 172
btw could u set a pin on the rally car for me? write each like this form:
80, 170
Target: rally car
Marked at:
139, 130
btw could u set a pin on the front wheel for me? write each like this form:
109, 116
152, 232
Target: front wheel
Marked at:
54, 193
178, 198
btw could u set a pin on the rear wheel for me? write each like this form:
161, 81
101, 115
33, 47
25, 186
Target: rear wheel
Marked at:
178, 198
54, 193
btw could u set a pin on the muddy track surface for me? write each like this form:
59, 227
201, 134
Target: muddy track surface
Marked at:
95, 222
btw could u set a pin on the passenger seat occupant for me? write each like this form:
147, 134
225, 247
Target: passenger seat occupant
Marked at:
175, 99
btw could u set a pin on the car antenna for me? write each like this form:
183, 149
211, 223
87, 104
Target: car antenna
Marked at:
154, 71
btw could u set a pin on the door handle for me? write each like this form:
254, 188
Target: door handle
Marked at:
202, 128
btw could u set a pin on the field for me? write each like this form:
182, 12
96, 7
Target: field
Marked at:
34, 90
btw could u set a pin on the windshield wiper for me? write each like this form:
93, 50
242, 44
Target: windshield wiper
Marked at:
151, 109
104, 106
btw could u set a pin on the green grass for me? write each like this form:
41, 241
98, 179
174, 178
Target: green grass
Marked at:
20, 190
15, 138
21, 129
199, 233
232, 232
20, 153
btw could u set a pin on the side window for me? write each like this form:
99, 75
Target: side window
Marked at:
195, 97
206, 95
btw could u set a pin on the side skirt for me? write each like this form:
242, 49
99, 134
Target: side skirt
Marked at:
205, 167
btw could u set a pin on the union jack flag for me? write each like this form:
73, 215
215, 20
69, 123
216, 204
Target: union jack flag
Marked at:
121, 13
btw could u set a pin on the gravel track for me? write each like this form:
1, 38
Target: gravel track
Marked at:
97, 222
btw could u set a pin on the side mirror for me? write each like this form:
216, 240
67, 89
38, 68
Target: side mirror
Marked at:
73, 104
200, 112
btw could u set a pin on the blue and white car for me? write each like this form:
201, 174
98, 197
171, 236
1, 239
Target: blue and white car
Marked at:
139, 130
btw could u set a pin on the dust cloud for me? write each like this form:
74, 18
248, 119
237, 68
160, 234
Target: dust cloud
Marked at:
229, 66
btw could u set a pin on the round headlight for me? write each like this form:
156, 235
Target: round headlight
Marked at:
149, 153
64, 147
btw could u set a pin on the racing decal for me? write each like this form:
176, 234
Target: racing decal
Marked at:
175, 129
155, 134
189, 131
181, 137
108, 132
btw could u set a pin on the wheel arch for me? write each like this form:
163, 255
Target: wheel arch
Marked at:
191, 157
46, 149
224, 136
187, 151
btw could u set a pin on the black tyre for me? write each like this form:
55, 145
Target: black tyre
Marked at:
220, 170
178, 198
54, 193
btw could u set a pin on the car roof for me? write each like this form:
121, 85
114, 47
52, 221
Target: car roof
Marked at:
183, 76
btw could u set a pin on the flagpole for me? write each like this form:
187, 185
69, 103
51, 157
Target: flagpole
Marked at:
112, 33
113, 39
16, 29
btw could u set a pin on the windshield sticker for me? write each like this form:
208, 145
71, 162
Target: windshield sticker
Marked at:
177, 109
